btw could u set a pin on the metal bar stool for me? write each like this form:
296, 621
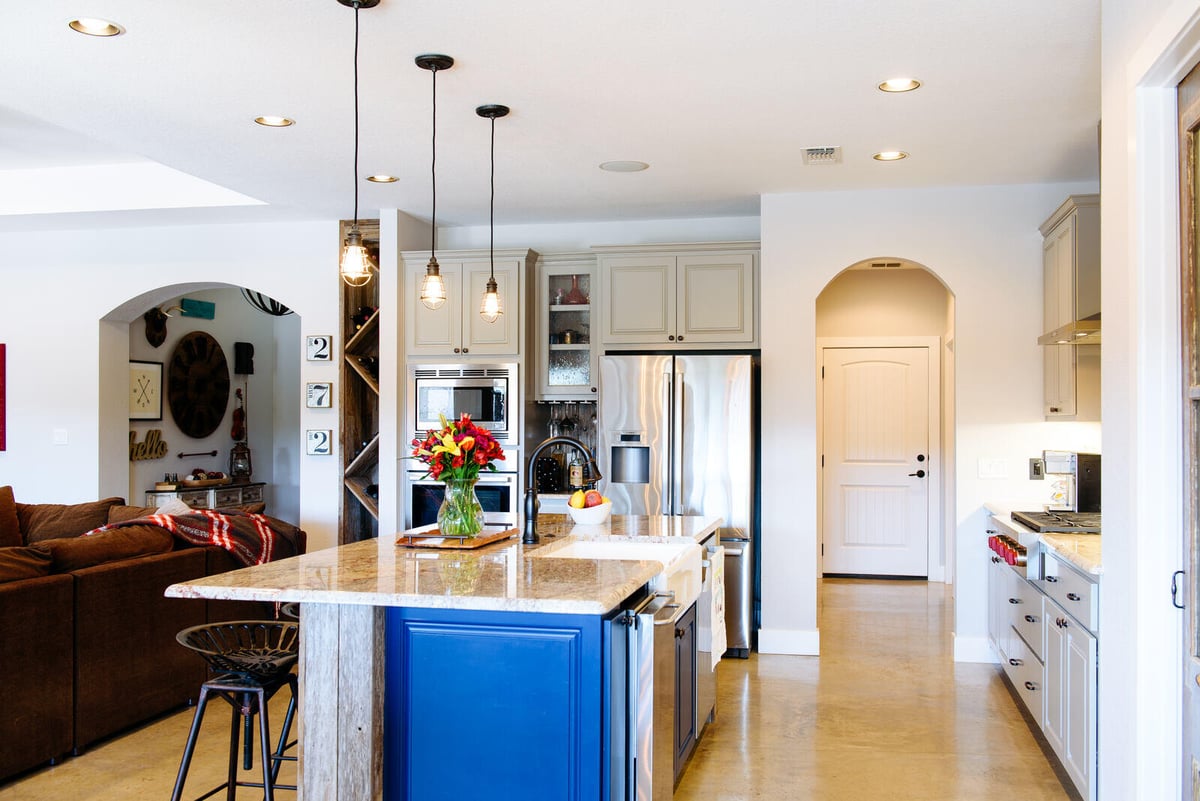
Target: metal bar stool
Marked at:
252, 660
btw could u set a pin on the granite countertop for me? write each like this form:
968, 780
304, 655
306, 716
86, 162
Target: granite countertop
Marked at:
504, 576
1081, 550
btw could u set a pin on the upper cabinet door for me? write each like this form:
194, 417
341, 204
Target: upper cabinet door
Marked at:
638, 299
435, 332
502, 336
715, 298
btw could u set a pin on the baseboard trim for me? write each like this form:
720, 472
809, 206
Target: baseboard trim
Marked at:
785, 641
973, 649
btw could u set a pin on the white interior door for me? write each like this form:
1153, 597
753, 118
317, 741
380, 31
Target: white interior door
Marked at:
877, 465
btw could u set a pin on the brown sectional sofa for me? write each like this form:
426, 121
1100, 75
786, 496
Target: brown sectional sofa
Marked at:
87, 640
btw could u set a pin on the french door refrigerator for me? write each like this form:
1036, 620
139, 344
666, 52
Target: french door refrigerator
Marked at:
676, 437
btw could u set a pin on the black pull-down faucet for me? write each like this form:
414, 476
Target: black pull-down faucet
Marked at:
590, 470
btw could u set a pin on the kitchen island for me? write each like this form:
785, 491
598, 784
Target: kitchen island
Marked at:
494, 664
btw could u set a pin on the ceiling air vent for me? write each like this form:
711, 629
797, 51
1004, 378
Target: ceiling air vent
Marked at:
885, 265
822, 155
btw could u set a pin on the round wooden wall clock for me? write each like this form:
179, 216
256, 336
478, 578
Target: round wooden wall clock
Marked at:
198, 385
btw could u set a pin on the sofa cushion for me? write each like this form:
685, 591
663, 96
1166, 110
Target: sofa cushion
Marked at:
46, 521
23, 563
121, 513
10, 525
75, 553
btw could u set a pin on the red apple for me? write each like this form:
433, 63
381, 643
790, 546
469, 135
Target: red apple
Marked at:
592, 498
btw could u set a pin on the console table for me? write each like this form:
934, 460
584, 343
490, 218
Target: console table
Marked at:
216, 497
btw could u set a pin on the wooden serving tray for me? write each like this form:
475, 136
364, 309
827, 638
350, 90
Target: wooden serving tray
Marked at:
430, 537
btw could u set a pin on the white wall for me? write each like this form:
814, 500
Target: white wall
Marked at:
67, 365
878, 303
984, 244
1147, 48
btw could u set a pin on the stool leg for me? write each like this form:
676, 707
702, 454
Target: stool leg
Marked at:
264, 737
186, 762
235, 717
277, 757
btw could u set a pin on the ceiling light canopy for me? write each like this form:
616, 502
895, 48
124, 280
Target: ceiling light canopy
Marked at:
895, 85
273, 121
624, 166
92, 26
355, 264
382, 179
890, 155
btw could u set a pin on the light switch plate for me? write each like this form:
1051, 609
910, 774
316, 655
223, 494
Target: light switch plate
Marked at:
1037, 469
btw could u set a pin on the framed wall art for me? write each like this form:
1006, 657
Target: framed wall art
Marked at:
319, 348
145, 390
318, 395
318, 442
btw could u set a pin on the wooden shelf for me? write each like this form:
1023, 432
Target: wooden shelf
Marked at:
370, 380
358, 488
368, 459
368, 333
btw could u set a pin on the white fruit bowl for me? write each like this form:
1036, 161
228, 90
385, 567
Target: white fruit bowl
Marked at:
591, 515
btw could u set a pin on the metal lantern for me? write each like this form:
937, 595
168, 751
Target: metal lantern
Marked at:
240, 464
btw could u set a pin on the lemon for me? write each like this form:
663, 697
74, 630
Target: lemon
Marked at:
576, 501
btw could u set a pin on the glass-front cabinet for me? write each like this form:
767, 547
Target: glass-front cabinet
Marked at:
566, 351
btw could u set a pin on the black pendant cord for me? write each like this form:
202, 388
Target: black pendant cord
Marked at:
356, 116
492, 209
433, 174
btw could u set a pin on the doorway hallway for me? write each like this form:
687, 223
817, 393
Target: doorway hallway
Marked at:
884, 713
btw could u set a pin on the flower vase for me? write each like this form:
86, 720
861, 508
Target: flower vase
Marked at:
461, 514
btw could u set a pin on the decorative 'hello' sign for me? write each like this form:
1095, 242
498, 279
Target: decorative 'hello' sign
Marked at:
154, 447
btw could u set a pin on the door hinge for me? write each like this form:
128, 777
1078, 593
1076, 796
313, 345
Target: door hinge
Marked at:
822, 549
822, 460
822, 371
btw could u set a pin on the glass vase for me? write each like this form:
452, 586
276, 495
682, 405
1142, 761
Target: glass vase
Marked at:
461, 514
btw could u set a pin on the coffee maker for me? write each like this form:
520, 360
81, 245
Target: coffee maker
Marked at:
1074, 481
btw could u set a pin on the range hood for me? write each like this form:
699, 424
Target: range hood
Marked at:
1071, 269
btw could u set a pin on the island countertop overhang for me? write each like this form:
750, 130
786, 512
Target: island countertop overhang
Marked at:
506, 576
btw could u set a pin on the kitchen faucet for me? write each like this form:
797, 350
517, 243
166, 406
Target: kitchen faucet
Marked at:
531, 502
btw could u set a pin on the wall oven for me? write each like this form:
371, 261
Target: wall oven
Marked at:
490, 393
497, 493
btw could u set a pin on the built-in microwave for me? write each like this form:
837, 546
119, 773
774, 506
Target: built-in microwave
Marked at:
497, 493
487, 392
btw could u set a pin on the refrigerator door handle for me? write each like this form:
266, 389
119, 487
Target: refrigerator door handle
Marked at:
668, 468
677, 494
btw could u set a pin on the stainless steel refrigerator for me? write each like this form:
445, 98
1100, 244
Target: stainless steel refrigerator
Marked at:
676, 436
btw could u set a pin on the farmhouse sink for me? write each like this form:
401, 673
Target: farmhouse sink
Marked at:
680, 561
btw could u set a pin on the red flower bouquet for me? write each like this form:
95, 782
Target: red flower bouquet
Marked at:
455, 455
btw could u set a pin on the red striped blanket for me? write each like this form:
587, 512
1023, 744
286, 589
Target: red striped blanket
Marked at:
252, 539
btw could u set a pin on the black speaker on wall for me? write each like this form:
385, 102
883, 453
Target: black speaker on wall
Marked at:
243, 358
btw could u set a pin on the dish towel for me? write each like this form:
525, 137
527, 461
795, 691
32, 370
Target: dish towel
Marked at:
719, 641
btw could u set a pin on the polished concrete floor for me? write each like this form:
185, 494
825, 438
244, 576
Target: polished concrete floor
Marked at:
883, 715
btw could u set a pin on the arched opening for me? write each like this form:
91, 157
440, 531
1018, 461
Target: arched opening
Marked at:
268, 381
885, 341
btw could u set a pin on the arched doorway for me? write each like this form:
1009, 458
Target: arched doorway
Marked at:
885, 336
268, 384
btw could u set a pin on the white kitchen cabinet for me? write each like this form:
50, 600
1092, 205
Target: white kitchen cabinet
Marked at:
567, 349
1070, 293
679, 295
456, 329
1069, 724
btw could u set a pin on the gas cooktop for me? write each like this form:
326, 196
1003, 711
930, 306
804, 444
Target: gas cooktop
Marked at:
1068, 522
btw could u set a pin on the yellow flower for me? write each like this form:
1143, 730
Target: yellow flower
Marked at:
448, 446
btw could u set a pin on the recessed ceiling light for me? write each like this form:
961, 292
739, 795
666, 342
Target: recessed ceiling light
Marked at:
91, 26
271, 121
382, 179
890, 155
899, 85
624, 166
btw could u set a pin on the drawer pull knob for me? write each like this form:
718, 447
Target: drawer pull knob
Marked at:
1029, 685
1015, 662
1014, 600
1052, 579
1030, 619
1073, 597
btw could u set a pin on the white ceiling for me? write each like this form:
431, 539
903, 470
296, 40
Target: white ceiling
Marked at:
719, 97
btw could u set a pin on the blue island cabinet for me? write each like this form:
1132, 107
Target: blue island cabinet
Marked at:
502, 705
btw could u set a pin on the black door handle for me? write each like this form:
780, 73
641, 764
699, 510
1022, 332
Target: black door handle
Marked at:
918, 474
1175, 589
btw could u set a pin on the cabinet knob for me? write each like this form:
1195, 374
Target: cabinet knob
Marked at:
1030, 619
1029, 685
593, 389
1052, 579
1014, 600
456, 350
679, 634
1015, 662
990, 531
466, 350
1073, 597
679, 338
670, 337
1054, 410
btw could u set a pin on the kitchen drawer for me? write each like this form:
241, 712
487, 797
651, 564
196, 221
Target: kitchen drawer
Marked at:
1025, 615
228, 497
197, 499
252, 494
1027, 675
1073, 591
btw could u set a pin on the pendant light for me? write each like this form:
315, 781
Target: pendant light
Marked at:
433, 288
355, 265
492, 307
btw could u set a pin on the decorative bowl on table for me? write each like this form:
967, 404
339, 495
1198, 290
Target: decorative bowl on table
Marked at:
591, 515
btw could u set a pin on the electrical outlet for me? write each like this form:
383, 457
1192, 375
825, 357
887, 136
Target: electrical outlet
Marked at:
1037, 469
